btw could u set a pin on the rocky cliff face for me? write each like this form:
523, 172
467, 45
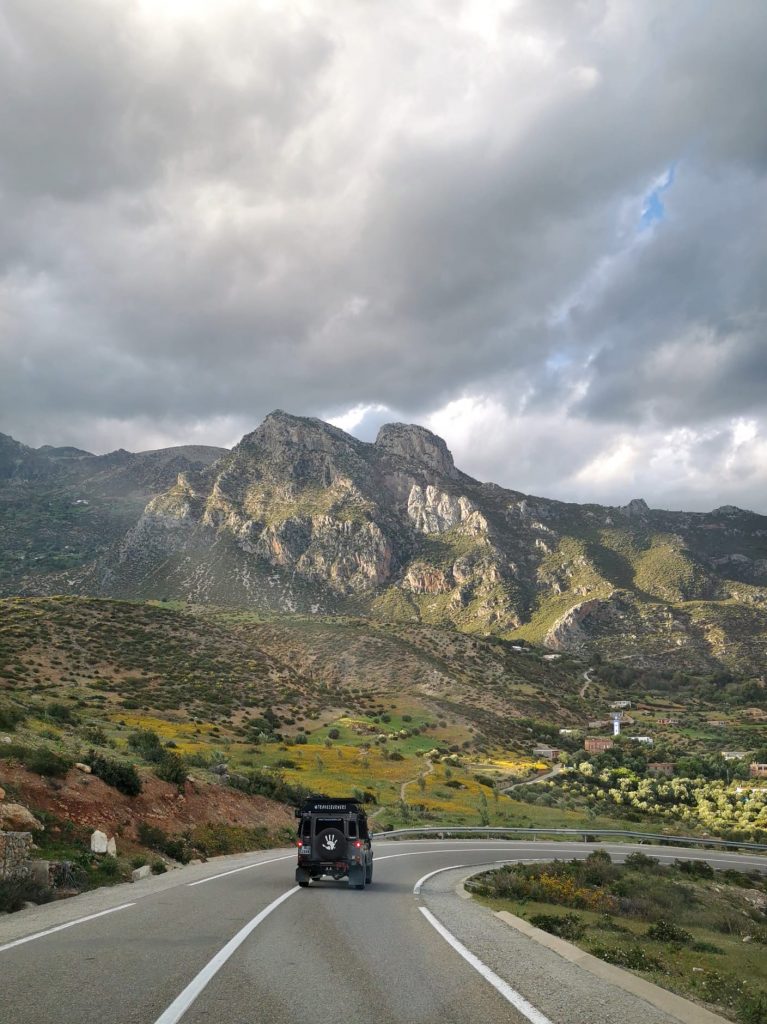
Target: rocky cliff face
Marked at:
300, 516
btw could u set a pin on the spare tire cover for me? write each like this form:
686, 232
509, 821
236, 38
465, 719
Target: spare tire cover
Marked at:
330, 845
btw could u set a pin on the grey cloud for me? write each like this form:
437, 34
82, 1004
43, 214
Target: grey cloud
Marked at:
322, 210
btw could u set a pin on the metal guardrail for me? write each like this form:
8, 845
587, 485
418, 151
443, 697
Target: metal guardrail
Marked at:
584, 833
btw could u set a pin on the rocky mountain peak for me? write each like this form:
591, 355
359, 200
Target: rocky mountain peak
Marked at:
417, 445
281, 431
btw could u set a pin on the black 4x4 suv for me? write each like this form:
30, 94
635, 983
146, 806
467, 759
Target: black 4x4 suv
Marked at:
333, 839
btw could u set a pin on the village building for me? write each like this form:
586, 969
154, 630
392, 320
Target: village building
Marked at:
550, 753
597, 744
647, 740
599, 723
662, 768
618, 704
757, 770
734, 755
667, 721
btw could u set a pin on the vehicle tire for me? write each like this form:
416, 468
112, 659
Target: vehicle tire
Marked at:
302, 877
369, 875
304, 885
330, 845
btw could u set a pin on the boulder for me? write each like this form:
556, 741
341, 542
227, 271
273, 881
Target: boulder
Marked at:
83, 767
16, 818
112, 847
7, 739
138, 873
99, 842
2, 793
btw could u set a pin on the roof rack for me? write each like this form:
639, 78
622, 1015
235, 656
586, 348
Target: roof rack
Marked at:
317, 803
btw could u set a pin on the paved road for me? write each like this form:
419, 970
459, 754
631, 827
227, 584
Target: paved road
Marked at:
157, 951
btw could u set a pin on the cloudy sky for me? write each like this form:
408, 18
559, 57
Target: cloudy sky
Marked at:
537, 227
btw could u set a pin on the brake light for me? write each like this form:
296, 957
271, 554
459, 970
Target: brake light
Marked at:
299, 843
358, 844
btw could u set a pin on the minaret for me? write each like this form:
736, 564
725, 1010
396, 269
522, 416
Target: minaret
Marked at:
616, 717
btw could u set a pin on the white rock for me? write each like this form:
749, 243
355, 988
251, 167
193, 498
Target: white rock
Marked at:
138, 873
99, 842
7, 739
112, 847
83, 767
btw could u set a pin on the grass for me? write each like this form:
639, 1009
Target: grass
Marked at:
697, 932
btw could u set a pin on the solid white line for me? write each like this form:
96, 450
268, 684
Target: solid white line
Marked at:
511, 995
182, 1002
425, 878
61, 927
255, 864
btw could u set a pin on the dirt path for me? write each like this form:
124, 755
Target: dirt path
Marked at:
539, 778
409, 782
587, 677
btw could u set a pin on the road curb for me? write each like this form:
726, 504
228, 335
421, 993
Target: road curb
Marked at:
685, 1011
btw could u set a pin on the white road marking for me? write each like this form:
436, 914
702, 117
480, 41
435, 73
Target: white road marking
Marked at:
61, 927
426, 853
425, 878
184, 1000
256, 864
509, 994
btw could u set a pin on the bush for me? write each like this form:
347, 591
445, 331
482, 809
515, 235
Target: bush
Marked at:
633, 957
752, 1008
666, 931
333, 734
641, 862
147, 743
123, 777
47, 762
177, 848
159, 867
15, 892
696, 868
10, 717
396, 756
61, 713
171, 768
566, 926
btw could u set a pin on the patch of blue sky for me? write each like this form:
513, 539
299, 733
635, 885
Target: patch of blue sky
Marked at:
653, 208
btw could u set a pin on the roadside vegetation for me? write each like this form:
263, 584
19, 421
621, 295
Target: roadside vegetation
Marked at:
699, 932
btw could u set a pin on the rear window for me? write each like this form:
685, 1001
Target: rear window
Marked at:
322, 823
306, 828
352, 829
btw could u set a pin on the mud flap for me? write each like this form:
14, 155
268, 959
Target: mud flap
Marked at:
357, 876
302, 877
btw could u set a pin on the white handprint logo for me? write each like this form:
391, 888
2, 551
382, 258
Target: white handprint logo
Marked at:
329, 843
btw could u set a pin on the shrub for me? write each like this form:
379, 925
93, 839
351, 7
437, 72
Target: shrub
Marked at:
147, 743
333, 734
171, 768
566, 926
177, 848
47, 762
61, 713
10, 717
641, 862
159, 867
15, 892
666, 931
123, 777
752, 1008
633, 957
696, 868
396, 756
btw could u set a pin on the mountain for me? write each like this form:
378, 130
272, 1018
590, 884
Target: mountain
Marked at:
60, 508
300, 516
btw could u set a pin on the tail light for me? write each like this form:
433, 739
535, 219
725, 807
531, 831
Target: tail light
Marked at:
358, 844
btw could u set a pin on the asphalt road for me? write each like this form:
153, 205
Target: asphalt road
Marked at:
234, 941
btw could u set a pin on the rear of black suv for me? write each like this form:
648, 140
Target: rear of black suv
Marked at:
333, 841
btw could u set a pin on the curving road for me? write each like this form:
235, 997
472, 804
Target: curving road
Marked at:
234, 941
